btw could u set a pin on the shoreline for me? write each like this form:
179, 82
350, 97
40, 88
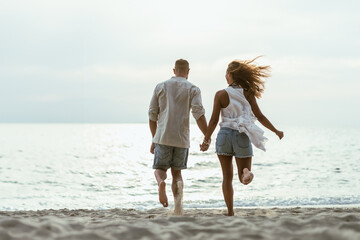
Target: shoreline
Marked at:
159, 223
191, 208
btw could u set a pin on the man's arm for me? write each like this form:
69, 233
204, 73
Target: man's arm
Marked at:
201, 122
153, 116
153, 127
198, 110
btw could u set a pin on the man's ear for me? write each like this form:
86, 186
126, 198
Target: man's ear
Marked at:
174, 71
188, 71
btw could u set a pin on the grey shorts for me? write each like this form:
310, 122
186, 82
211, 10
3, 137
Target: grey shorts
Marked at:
231, 142
166, 157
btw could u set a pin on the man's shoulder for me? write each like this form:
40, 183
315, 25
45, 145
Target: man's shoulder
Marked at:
160, 85
164, 82
194, 88
192, 84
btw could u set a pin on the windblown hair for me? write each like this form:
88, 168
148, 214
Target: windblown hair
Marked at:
181, 66
249, 75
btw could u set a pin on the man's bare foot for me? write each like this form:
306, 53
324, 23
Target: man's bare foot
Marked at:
178, 198
162, 194
247, 176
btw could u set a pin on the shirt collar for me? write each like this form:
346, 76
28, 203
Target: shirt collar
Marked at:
178, 78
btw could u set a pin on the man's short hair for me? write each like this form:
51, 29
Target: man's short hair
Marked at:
181, 66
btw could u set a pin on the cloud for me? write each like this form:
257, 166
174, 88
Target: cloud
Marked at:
99, 61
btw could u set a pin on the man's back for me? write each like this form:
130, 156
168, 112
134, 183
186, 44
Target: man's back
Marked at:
170, 106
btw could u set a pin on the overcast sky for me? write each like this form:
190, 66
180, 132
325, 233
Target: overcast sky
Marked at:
99, 61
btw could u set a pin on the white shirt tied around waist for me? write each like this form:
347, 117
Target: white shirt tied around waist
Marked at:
239, 116
170, 106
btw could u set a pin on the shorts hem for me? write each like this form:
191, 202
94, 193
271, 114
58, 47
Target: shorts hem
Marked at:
246, 156
178, 168
167, 167
225, 154
161, 167
231, 154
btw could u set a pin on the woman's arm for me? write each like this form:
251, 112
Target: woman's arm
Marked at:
261, 117
221, 97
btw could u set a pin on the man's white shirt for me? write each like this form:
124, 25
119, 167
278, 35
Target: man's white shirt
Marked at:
170, 106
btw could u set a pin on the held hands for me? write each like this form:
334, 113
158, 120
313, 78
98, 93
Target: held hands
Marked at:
205, 145
280, 134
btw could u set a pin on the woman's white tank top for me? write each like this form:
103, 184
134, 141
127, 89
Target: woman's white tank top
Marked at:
239, 116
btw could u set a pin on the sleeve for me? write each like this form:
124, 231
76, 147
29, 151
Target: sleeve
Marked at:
197, 108
154, 106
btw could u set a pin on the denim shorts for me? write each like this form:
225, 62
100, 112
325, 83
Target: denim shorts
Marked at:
231, 142
166, 157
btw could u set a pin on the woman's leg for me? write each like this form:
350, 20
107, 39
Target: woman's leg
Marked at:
228, 191
244, 170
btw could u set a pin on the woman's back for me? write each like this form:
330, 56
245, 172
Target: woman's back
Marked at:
238, 106
238, 115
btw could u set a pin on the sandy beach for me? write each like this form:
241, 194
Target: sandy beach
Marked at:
256, 223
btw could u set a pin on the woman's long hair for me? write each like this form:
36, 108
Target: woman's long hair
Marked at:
249, 75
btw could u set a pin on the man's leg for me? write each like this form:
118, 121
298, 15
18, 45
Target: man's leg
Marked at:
160, 176
177, 189
179, 162
162, 158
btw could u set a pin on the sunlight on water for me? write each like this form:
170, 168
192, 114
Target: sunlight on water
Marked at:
109, 166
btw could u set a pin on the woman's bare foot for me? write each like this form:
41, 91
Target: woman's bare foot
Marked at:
247, 176
162, 194
230, 213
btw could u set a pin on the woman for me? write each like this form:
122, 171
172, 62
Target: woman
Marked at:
237, 104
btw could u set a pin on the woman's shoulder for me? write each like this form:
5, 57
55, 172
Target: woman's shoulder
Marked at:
222, 97
221, 93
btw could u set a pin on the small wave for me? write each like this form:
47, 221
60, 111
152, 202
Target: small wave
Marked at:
202, 154
206, 164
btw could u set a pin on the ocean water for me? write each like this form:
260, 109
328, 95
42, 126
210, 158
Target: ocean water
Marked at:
100, 166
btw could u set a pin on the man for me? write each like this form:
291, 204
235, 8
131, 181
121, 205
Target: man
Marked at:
169, 125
